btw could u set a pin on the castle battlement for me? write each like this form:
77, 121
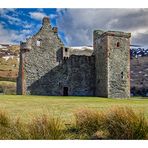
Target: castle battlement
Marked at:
116, 33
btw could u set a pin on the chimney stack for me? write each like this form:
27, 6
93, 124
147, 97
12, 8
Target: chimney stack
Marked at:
46, 21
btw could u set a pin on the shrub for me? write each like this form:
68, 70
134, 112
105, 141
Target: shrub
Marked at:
19, 130
88, 121
117, 123
5, 124
46, 128
40, 128
4, 119
124, 123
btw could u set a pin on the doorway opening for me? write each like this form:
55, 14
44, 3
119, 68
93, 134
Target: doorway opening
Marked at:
65, 91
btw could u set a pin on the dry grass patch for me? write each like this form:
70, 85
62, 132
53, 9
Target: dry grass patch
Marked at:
46, 127
89, 121
124, 123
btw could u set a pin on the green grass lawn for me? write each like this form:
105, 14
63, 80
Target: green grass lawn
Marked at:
27, 107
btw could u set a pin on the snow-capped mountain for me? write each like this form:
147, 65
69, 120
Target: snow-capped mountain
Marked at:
138, 52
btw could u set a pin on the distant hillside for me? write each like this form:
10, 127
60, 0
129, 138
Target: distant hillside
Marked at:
138, 52
139, 76
9, 50
9, 60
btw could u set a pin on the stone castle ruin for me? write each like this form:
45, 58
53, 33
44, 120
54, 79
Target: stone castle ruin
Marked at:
47, 67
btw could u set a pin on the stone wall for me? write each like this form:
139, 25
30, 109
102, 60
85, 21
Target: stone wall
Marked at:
41, 57
100, 47
75, 73
118, 65
47, 72
112, 62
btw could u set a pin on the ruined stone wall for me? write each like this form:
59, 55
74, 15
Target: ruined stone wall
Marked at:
118, 65
76, 73
47, 72
41, 57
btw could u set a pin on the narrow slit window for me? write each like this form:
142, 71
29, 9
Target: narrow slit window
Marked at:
122, 75
118, 44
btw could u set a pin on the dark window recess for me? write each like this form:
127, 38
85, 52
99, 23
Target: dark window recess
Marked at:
118, 44
65, 58
66, 49
65, 91
122, 75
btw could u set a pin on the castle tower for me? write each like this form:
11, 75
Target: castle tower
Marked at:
112, 62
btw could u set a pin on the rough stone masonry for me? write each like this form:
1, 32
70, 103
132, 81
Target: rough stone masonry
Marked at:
47, 67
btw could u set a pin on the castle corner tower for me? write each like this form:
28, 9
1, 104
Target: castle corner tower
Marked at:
112, 62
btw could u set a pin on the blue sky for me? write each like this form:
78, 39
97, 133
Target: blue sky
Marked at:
17, 24
75, 25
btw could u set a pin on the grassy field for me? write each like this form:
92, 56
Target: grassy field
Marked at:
27, 107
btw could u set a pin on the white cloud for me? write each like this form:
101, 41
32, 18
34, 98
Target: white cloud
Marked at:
26, 31
5, 10
37, 15
15, 36
78, 24
27, 26
12, 18
52, 16
11, 36
136, 32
